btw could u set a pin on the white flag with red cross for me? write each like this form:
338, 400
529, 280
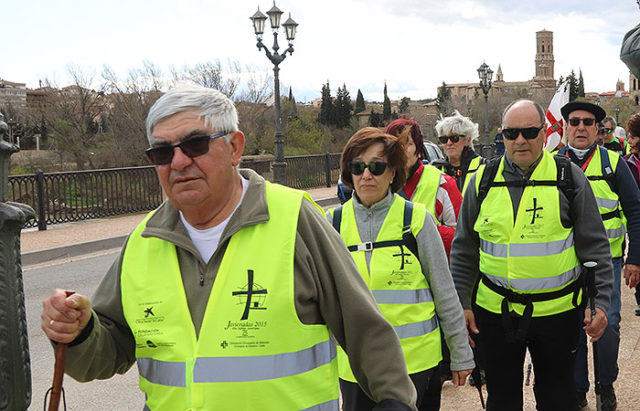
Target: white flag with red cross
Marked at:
554, 121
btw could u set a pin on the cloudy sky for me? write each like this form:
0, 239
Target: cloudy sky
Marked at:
414, 45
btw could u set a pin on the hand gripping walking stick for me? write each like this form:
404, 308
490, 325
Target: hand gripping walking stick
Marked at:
477, 377
58, 374
591, 290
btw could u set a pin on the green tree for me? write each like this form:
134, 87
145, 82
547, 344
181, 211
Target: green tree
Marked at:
573, 85
386, 105
580, 85
560, 81
443, 101
291, 98
342, 107
375, 119
403, 107
360, 106
327, 110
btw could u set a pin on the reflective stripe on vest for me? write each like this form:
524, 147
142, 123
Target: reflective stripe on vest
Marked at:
529, 284
251, 344
513, 253
474, 165
265, 367
607, 200
402, 296
399, 287
527, 250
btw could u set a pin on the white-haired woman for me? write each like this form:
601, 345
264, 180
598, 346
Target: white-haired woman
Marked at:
457, 133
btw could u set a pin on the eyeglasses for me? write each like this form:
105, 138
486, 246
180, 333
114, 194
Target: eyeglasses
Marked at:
528, 133
605, 131
375, 167
454, 138
192, 147
575, 121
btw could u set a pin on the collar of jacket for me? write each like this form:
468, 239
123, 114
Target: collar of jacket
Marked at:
511, 168
165, 224
380, 205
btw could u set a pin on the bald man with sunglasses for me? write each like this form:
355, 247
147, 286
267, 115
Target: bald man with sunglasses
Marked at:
231, 294
524, 240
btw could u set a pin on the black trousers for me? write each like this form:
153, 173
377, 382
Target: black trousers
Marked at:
354, 399
552, 342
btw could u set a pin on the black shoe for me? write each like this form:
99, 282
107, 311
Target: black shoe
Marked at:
609, 402
638, 310
581, 399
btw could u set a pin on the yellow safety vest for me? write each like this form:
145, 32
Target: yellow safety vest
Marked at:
398, 285
608, 200
474, 165
252, 351
427, 188
530, 254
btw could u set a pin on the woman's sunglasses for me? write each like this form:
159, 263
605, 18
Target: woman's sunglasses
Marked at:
375, 167
528, 133
454, 138
192, 147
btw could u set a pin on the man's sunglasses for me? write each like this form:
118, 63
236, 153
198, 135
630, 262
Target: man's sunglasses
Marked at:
192, 147
454, 138
528, 133
575, 121
375, 167
605, 131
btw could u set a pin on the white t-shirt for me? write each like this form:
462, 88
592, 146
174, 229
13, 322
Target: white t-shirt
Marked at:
207, 240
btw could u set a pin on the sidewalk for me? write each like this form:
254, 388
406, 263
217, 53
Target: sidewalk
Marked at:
89, 236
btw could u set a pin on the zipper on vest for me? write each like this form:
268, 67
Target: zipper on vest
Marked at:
201, 279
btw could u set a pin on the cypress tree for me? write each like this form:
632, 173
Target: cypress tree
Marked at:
386, 105
360, 106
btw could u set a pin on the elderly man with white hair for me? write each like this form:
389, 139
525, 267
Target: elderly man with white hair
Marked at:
227, 296
456, 135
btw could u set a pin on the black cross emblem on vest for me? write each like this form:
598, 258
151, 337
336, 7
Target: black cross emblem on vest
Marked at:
249, 293
534, 210
402, 255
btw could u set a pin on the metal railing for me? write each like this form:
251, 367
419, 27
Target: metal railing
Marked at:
81, 195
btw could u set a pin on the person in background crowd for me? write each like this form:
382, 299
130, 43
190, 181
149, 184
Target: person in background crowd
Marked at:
456, 134
426, 184
498, 140
618, 200
244, 283
613, 142
395, 246
526, 243
633, 161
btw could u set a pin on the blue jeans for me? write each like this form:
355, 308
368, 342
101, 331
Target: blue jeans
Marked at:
607, 344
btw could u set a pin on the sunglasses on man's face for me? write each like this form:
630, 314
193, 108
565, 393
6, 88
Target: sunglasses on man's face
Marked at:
575, 121
605, 131
192, 147
454, 138
528, 133
375, 167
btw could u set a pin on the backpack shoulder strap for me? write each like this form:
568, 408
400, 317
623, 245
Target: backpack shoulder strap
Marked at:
337, 218
408, 238
565, 177
489, 174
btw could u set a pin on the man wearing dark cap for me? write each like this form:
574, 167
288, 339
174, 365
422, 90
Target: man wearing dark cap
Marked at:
618, 201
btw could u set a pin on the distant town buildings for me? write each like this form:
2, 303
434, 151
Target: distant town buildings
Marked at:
13, 94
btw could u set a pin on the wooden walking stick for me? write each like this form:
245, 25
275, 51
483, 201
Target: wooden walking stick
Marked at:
56, 389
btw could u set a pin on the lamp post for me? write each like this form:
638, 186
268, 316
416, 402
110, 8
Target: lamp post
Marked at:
258, 19
485, 73
617, 113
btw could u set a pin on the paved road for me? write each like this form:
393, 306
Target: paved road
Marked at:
82, 275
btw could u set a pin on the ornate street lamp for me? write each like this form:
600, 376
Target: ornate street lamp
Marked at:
617, 113
258, 19
485, 73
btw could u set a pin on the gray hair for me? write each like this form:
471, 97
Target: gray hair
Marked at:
458, 124
611, 120
538, 107
218, 110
